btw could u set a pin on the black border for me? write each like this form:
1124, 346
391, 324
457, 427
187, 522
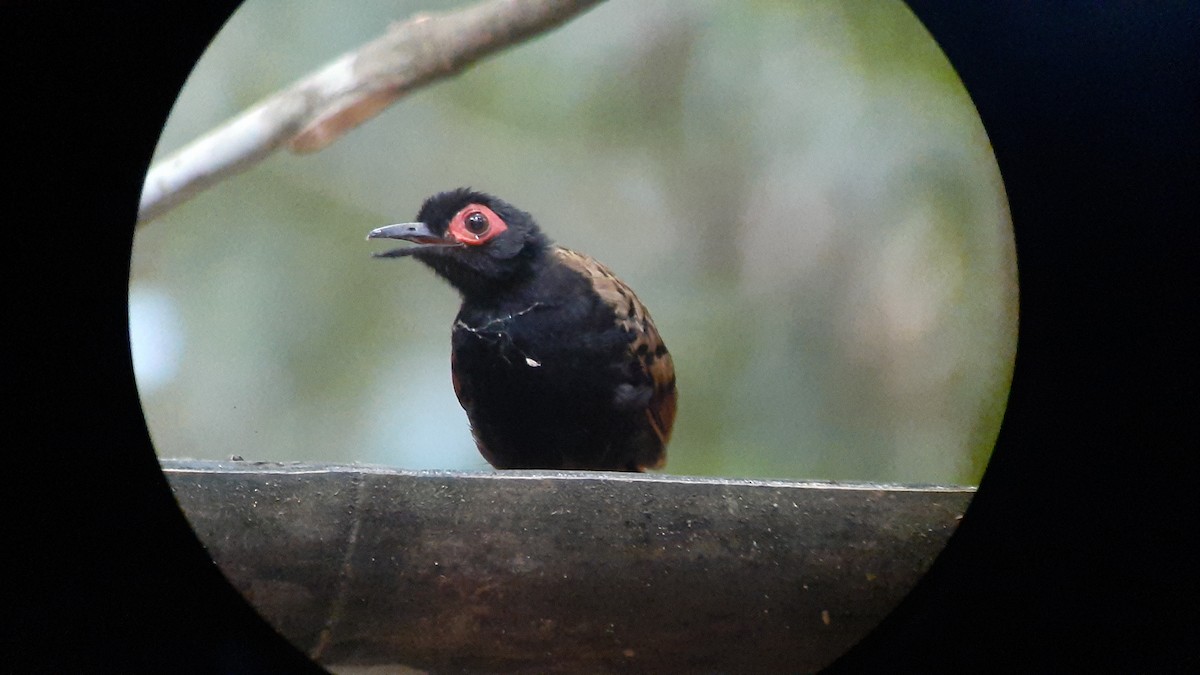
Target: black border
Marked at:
1075, 553
118, 581
1069, 557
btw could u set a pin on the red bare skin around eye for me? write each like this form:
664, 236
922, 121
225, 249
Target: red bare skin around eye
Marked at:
458, 226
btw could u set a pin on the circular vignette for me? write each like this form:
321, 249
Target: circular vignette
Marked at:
891, 322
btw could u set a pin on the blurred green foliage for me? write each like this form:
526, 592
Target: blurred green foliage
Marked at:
801, 192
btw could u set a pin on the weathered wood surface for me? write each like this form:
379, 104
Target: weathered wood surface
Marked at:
562, 571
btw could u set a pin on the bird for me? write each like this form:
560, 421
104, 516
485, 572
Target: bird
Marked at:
556, 362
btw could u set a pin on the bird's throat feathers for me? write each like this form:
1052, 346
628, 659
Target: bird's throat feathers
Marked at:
480, 276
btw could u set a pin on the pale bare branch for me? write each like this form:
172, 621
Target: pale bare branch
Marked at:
321, 107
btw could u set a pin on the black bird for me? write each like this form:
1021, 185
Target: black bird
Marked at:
554, 359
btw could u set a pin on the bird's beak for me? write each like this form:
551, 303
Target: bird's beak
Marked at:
418, 233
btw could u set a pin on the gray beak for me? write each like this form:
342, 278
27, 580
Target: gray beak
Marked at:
414, 232
418, 233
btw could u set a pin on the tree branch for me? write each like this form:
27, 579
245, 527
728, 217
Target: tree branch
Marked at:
321, 107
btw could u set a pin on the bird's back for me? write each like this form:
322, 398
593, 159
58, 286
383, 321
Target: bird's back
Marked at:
566, 371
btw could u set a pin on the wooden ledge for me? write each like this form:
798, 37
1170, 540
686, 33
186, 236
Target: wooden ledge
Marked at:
528, 571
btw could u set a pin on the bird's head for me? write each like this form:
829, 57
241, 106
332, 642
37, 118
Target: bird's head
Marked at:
479, 243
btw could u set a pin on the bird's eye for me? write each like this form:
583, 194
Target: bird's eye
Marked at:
476, 223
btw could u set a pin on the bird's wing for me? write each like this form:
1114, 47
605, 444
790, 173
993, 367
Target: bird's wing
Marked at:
647, 347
